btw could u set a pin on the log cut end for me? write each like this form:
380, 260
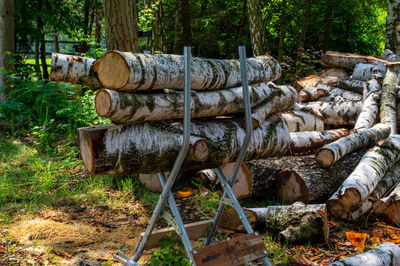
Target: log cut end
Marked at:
231, 221
113, 70
291, 187
103, 103
325, 157
201, 150
254, 123
341, 207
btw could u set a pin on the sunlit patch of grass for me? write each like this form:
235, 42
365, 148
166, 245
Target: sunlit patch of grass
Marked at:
279, 252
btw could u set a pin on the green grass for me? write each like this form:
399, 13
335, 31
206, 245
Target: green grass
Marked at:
48, 62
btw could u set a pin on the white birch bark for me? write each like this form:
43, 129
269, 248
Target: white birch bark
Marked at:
365, 177
301, 121
334, 113
385, 254
334, 151
388, 109
347, 60
309, 94
390, 56
131, 72
308, 142
74, 69
378, 71
369, 111
334, 94
362, 72
352, 85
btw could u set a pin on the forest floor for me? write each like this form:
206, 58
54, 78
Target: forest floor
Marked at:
51, 212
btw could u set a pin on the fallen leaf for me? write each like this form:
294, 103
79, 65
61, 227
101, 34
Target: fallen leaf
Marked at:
358, 240
375, 241
184, 194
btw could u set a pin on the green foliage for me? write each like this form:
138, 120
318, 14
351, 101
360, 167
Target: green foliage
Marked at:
171, 252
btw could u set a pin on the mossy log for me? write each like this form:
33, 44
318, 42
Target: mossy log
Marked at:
153, 147
132, 72
347, 60
301, 121
74, 69
362, 72
365, 177
333, 113
302, 179
385, 254
329, 76
297, 223
389, 207
334, 151
370, 109
128, 107
352, 85
308, 142
388, 107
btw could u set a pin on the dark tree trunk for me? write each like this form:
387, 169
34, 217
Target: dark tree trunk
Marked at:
97, 32
40, 29
328, 25
305, 24
121, 25
187, 34
7, 42
282, 33
56, 42
157, 42
86, 11
393, 27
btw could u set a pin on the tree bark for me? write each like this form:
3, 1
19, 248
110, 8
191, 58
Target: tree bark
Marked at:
336, 94
388, 109
74, 69
378, 71
328, 25
390, 56
329, 77
369, 111
186, 25
333, 152
296, 223
56, 42
257, 28
362, 72
282, 32
308, 142
309, 94
302, 179
121, 26
301, 121
352, 85
157, 43
125, 107
40, 29
7, 42
97, 31
306, 21
334, 113
130, 72
385, 254
392, 41
149, 148
365, 177
347, 60
389, 207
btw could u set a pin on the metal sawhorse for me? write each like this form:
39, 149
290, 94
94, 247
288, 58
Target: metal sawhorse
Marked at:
228, 197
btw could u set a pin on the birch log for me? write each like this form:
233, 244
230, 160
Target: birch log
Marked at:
333, 93
386, 254
128, 107
378, 71
369, 111
333, 113
301, 121
390, 56
352, 85
302, 179
329, 76
331, 153
388, 109
297, 223
309, 94
389, 207
131, 72
74, 69
362, 72
365, 177
308, 142
346, 60
153, 147
280, 98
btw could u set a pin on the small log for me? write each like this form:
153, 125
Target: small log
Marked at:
346, 60
388, 110
389, 207
308, 142
302, 121
74, 69
149, 148
365, 177
352, 85
334, 113
390, 56
283, 99
126, 107
334, 151
372, 86
385, 254
296, 223
378, 71
362, 71
334, 94
369, 112
329, 76
309, 94
131, 72
302, 179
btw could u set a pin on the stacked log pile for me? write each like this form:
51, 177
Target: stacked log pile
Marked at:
331, 139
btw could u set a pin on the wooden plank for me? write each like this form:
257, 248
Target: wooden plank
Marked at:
195, 231
236, 251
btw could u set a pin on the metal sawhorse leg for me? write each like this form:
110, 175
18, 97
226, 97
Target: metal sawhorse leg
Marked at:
228, 197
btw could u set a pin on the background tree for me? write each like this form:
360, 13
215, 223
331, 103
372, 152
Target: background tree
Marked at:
121, 25
7, 43
157, 42
392, 41
257, 28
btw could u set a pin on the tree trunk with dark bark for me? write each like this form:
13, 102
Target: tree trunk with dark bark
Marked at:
7, 42
130, 72
121, 25
157, 43
186, 25
282, 32
392, 41
257, 29
306, 21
